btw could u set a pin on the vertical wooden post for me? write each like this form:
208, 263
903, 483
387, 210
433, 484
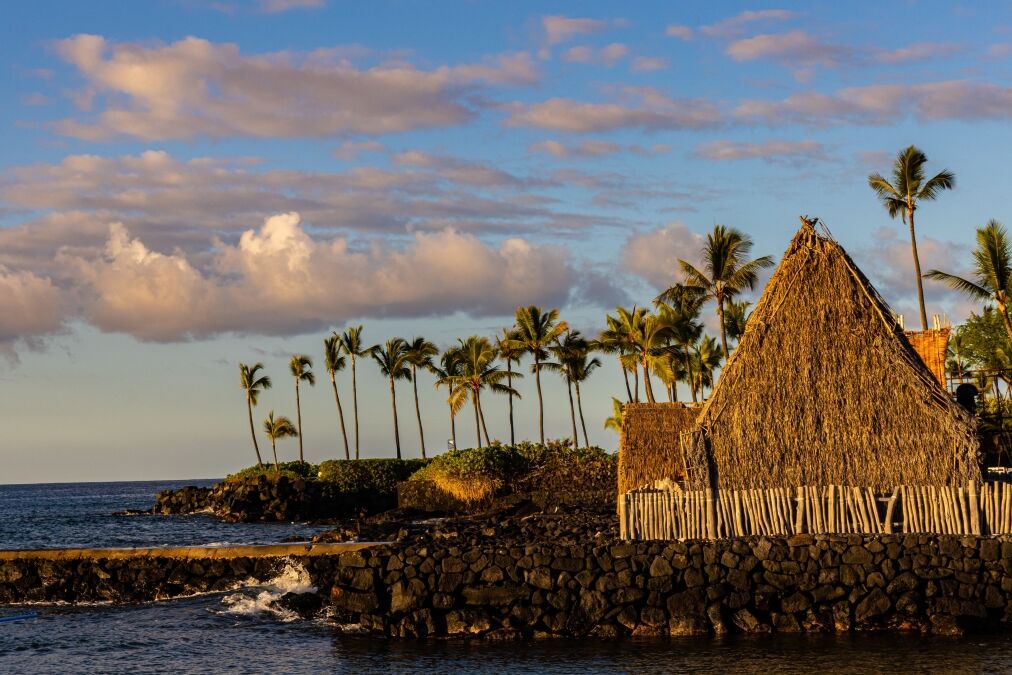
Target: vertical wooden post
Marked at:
890, 506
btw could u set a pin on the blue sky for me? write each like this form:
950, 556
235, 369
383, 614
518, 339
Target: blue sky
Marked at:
187, 184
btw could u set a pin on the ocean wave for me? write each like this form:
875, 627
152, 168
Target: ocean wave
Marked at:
262, 599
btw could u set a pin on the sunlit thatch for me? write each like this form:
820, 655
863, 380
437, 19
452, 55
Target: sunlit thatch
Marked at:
931, 346
824, 388
649, 448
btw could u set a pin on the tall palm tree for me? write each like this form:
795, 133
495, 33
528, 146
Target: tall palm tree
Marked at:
681, 317
706, 357
992, 271
477, 371
580, 368
275, 429
649, 340
726, 272
393, 363
335, 360
903, 195
611, 341
509, 352
301, 367
565, 351
449, 368
419, 354
735, 318
617, 411
620, 337
536, 330
351, 340
253, 384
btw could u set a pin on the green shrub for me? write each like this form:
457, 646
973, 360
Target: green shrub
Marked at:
474, 474
294, 469
368, 475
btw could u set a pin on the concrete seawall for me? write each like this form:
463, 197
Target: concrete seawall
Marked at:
145, 574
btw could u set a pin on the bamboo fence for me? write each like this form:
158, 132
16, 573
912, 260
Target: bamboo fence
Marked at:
668, 512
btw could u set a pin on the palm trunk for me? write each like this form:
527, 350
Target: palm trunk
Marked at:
298, 414
668, 388
636, 384
453, 427
481, 416
541, 400
252, 430
917, 267
354, 397
274, 447
393, 403
340, 415
688, 371
418, 410
509, 381
477, 419
646, 381
572, 412
583, 423
1003, 310
723, 328
625, 376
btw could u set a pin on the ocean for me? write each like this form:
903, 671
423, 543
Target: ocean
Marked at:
239, 632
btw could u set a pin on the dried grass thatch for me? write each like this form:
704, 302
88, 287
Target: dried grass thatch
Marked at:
824, 389
931, 346
649, 447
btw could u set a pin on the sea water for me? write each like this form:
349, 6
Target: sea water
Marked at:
243, 630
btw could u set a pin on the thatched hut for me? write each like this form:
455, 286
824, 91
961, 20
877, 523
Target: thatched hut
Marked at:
649, 444
824, 388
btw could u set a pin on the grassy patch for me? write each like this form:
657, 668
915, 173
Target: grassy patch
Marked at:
367, 475
294, 469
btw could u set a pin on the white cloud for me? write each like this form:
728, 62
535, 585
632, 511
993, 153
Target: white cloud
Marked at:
278, 280
31, 306
560, 29
678, 31
654, 254
194, 87
639, 108
735, 25
769, 151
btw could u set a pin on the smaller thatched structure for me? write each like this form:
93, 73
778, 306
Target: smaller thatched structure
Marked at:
649, 448
931, 346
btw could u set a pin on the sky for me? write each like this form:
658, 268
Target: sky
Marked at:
187, 184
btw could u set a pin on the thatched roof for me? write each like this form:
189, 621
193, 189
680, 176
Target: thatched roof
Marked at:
824, 388
931, 346
649, 446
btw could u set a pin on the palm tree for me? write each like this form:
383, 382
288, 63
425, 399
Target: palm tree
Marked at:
726, 272
253, 385
647, 343
902, 196
681, 317
393, 363
509, 351
735, 318
334, 359
448, 369
706, 357
536, 330
580, 368
992, 270
275, 429
477, 371
351, 340
300, 365
612, 341
565, 351
620, 337
419, 354
617, 411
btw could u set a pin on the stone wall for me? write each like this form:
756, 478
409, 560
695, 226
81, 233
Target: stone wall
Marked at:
823, 583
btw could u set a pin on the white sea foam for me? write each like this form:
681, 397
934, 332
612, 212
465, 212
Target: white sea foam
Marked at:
260, 599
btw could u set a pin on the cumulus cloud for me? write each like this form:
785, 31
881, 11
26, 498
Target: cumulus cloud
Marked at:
638, 108
772, 151
278, 280
882, 103
559, 29
678, 31
738, 23
653, 255
278, 6
31, 306
608, 55
195, 87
